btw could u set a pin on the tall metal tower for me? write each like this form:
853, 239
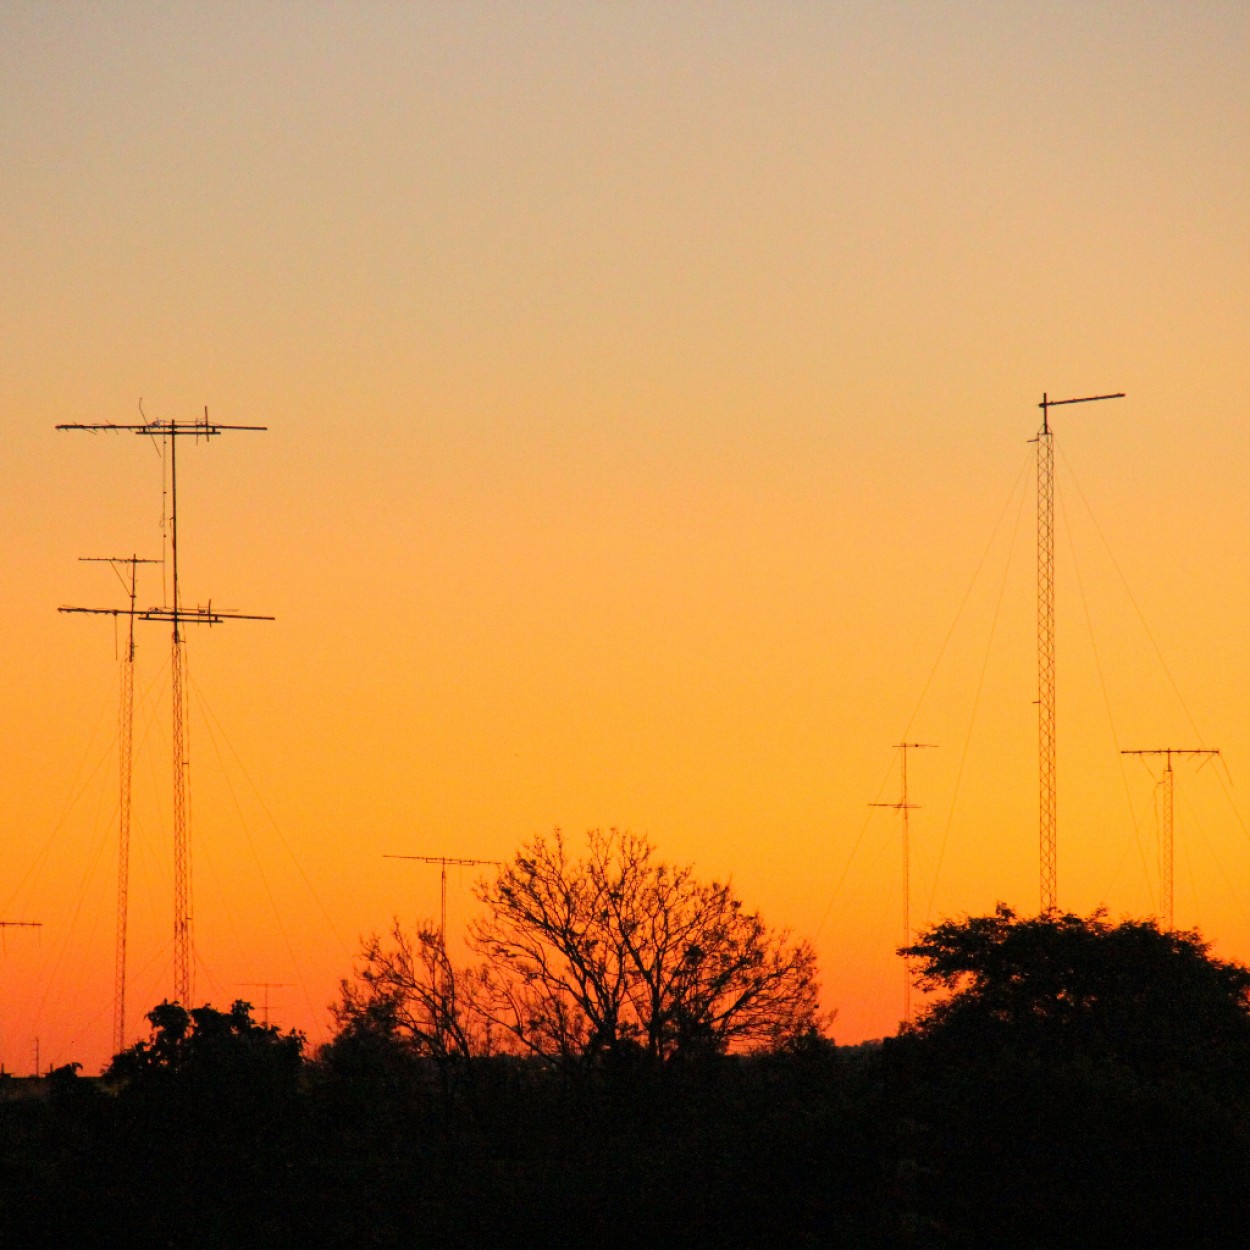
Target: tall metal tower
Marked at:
1166, 842
442, 861
127, 570
175, 614
905, 807
1047, 784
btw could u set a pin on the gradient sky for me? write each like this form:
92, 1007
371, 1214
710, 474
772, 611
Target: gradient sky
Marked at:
649, 390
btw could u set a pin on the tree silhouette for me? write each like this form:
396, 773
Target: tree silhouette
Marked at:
1078, 1075
202, 1045
1058, 983
410, 994
583, 959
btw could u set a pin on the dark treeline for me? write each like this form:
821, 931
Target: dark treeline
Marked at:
367, 1147
1074, 1082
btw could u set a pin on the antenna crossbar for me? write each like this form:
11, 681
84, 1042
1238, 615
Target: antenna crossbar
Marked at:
443, 861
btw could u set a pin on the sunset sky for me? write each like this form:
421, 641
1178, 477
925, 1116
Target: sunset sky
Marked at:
649, 390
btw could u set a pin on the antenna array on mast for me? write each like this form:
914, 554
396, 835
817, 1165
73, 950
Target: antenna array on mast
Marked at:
174, 613
125, 750
443, 861
1166, 841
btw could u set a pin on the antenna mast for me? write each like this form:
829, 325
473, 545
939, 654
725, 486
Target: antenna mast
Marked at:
267, 986
176, 615
1166, 882
1047, 784
442, 861
905, 807
125, 751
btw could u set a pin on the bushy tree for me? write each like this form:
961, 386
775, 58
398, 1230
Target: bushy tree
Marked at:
1153, 998
1076, 1075
203, 1045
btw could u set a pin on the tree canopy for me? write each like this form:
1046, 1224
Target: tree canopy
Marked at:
1077, 1074
1058, 981
218, 1052
586, 957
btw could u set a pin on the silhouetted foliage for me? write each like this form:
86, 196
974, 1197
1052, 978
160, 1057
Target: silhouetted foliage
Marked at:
1129, 991
613, 957
409, 993
226, 1054
1079, 1082
1079, 1075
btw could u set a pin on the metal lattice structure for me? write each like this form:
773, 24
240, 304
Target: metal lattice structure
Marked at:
125, 755
175, 614
1047, 779
1048, 786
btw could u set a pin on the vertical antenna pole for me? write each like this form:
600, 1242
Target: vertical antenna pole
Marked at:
267, 986
1048, 789
125, 740
905, 808
125, 744
1047, 779
1169, 859
442, 861
125, 754
182, 849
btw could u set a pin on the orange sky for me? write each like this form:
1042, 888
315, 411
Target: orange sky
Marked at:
643, 387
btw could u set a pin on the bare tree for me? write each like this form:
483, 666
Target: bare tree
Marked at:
589, 956
410, 990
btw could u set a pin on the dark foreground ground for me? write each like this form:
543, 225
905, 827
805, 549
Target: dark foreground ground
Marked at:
896, 1145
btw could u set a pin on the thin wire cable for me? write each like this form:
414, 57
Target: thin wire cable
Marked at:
976, 574
950, 633
859, 838
1102, 679
1141, 616
78, 787
976, 703
210, 715
211, 720
1225, 777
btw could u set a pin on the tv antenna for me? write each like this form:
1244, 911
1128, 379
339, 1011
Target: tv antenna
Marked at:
1047, 786
442, 861
267, 986
904, 807
1166, 842
175, 614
